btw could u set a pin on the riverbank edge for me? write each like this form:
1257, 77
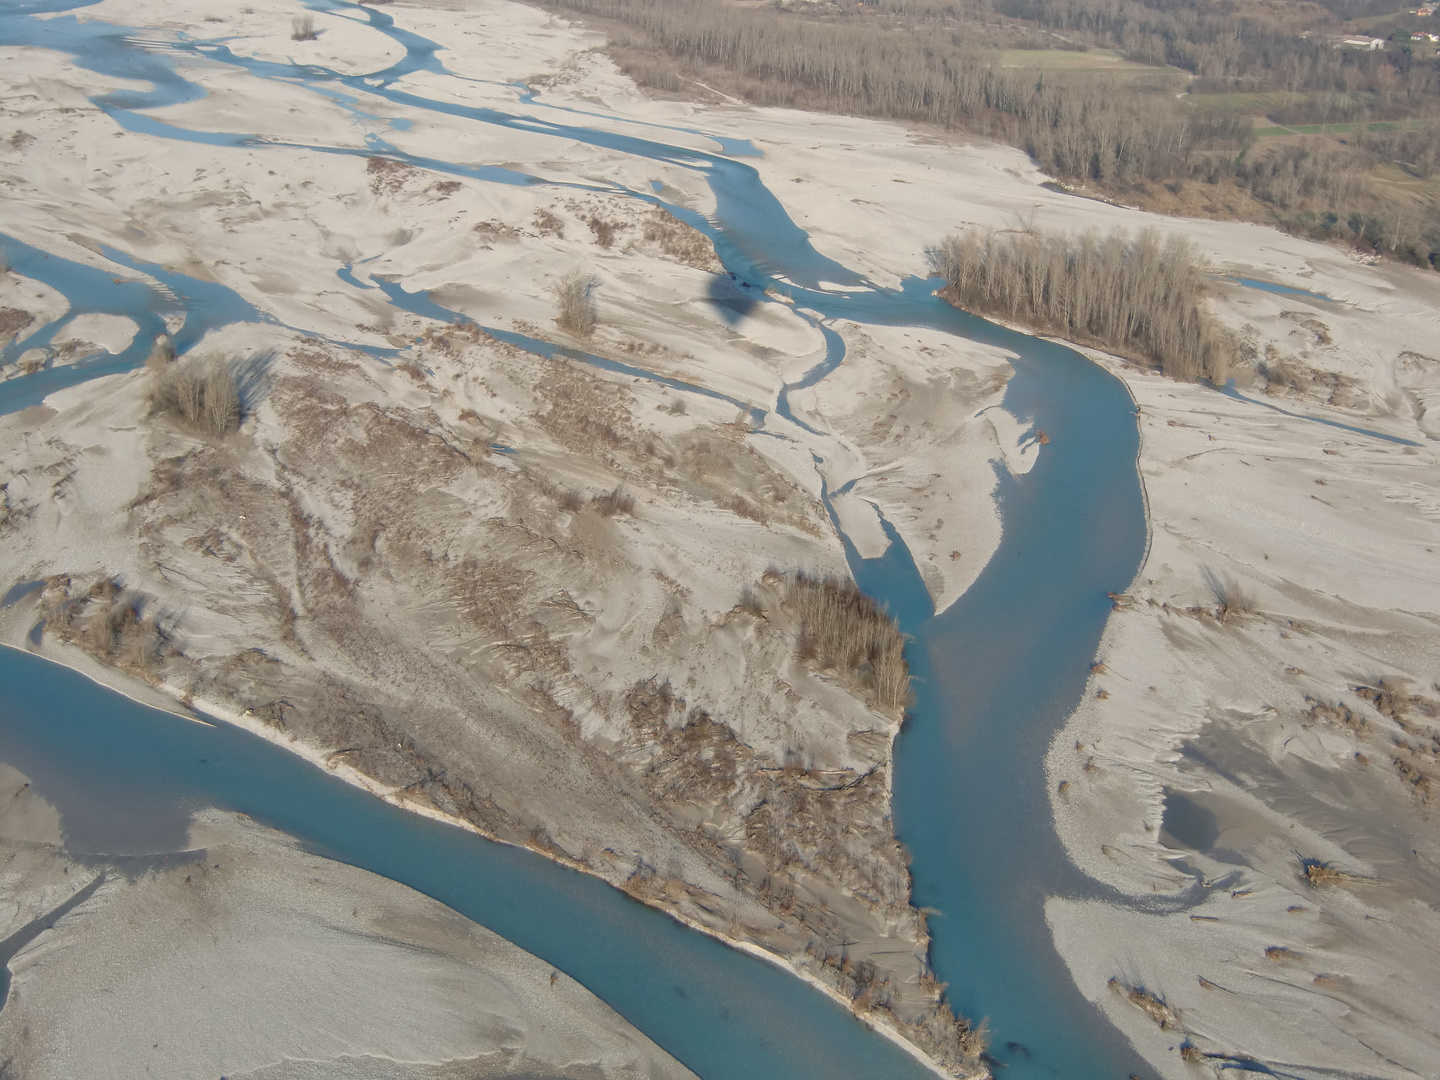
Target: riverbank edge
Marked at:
202, 711
1111, 364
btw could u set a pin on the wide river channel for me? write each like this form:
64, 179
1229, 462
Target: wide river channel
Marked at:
995, 675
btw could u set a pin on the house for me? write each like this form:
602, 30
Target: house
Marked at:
1362, 43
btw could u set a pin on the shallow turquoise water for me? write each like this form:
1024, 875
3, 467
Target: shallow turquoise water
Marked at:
995, 675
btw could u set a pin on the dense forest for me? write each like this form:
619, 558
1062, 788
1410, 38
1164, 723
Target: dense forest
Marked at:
1368, 178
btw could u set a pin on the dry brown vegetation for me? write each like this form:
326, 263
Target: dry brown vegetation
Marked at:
201, 394
575, 304
1319, 873
387, 176
679, 241
843, 630
799, 821
492, 232
302, 28
1412, 744
547, 224
106, 620
613, 502
1415, 753
1148, 1002
1138, 296
604, 230
12, 321
1230, 596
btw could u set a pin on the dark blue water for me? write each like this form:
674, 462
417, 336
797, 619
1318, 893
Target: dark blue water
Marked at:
996, 675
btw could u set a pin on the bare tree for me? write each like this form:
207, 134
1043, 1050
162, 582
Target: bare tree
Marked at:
302, 28
220, 400
1138, 296
203, 395
910, 60
575, 300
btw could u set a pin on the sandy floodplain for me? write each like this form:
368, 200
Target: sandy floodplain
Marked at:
361, 569
244, 956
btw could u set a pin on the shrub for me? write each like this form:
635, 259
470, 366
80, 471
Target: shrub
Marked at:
302, 28
604, 230
12, 321
618, 501
1229, 595
162, 354
1148, 1002
744, 508
572, 501
575, 297
112, 624
202, 395
1319, 873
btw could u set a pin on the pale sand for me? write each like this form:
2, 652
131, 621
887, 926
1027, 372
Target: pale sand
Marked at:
244, 956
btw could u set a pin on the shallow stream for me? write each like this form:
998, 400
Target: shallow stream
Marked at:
996, 674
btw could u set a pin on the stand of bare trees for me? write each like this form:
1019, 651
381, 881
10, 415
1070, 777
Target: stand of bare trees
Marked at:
575, 304
1140, 296
935, 61
844, 630
1087, 129
202, 394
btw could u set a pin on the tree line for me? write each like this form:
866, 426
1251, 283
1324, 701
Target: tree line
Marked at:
920, 61
1137, 296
